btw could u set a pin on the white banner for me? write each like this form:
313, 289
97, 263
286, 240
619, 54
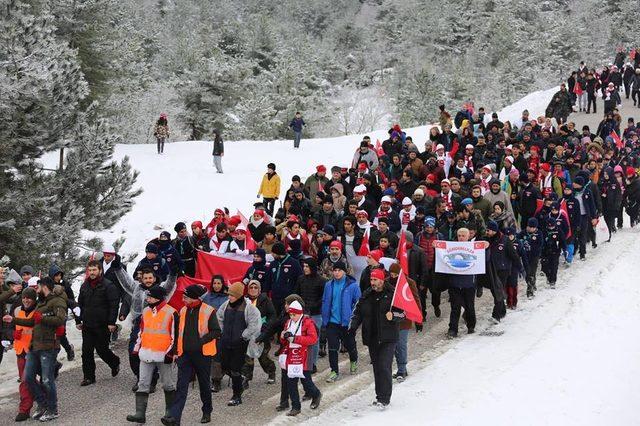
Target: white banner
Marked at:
460, 258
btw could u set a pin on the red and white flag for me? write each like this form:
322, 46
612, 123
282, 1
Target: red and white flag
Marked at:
364, 247
403, 299
379, 149
402, 253
250, 242
616, 139
565, 212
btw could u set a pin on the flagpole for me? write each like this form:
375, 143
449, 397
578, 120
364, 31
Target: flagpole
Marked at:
395, 290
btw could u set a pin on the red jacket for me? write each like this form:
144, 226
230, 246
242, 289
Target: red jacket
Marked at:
308, 337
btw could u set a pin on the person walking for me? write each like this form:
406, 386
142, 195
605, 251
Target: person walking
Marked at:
218, 150
380, 332
240, 322
197, 333
298, 334
98, 301
156, 347
21, 344
50, 314
270, 188
161, 132
296, 125
339, 298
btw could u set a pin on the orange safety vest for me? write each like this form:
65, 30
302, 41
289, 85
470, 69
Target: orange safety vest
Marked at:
204, 314
22, 344
156, 333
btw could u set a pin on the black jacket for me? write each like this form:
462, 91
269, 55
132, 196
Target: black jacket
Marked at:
218, 146
99, 304
311, 289
371, 312
267, 310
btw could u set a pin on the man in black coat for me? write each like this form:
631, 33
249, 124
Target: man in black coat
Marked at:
98, 301
528, 201
380, 332
185, 245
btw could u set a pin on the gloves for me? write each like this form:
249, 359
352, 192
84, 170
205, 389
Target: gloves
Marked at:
168, 359
76, 311
17, 334
419, 327
37, 317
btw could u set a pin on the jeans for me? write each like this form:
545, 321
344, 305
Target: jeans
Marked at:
296, 139
582, 101
217, 162
336, 334
381, 360
188, 364
401, 351
314, 349
309, 387
160, 143
43, 391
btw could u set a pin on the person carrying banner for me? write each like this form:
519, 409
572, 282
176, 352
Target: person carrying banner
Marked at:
380, 332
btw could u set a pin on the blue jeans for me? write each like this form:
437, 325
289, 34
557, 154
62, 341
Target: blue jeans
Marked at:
296, 139
312, 358
401, 351
44, 392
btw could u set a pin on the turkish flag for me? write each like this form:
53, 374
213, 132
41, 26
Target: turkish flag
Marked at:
403, 299
364, 247
182, 283
616, 139
565, 212
379, 149
402, 253
231, 267
539, 204
251, 244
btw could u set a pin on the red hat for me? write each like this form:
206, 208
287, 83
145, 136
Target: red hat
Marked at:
397, 128
362, 166
534, 148
376, 255
219, 211
163, 115
431, 177
321, 168
234, 221
295, 308
377, 273
336, 244
196, 224
631, 171
545, 166
259, 213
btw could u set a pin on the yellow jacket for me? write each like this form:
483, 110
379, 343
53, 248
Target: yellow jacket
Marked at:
270, 188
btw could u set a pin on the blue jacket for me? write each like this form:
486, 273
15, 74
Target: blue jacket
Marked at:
296, 124
350, 295
215, 299
282, 277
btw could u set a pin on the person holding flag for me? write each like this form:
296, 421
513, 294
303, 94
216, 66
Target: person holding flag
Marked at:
405, 325
380, 332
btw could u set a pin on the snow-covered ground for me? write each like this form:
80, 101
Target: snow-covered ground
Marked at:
568, 357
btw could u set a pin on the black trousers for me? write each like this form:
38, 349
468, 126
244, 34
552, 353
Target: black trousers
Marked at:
459, 298
265, 361
532, 268
269, 204
591, 100
309, 387
160, 143
551, 262
584, 234
382, 361
96, 339
188, 364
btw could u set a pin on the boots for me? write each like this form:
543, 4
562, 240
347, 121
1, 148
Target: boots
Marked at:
216, 385
141, 408
323, 350
169, 396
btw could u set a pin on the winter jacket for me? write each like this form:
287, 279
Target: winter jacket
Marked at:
315, 184
266, 308
296, 124
349, 297
419, 264
54, 314
158, 265
257, 271
325, 269
501, 253
161, 131
529, 197
311, 289
282, 277
186, 248
136, 292
308, 336
370, 157
270, 186
215, 299
500, 196
532, 243
218, 146
371, 312
253, 321
98, 303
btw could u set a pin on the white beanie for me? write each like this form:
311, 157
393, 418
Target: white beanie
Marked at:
386, 199
360, 189
418, 191
33, 281
109, 249
406, 201
439, 147
509, 158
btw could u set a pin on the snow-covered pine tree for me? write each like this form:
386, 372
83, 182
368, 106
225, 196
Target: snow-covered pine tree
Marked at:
44, 209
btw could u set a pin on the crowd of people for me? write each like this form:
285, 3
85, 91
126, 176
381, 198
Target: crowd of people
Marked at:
532, 190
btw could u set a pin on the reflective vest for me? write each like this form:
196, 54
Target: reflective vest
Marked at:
156, 334
204, 313
23, 342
